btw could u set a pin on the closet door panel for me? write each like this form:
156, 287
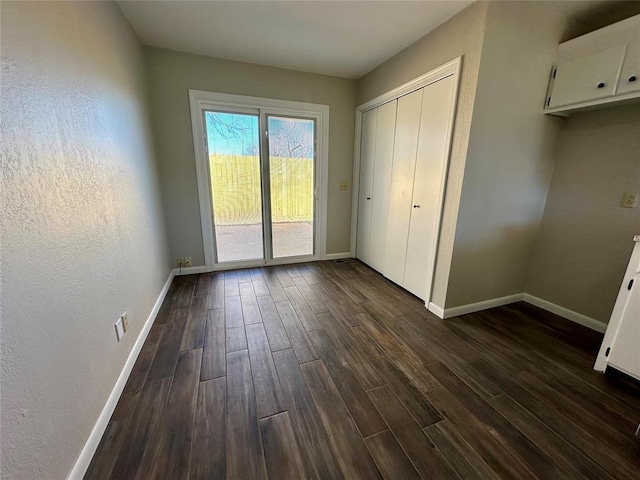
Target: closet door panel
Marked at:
385, 134
404, 162
427, 185
367, 157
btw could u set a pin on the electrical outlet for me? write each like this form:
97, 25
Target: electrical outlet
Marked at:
125, 321
184, 262
629, 200
344, 186
119, 329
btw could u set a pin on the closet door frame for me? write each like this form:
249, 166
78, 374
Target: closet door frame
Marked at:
451, 68
200, 101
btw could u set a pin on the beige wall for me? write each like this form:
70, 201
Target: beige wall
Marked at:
510, 156
82, 232
462, 35
171, 74
586, 237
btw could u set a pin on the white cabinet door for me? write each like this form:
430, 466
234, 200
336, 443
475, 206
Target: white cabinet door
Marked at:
385, 133
630, 75
367, 156
404, 163
587, 78
625, 352
427, 185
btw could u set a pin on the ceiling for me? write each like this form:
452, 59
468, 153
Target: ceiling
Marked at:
341, 38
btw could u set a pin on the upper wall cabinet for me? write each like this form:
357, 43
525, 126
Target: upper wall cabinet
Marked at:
586, 78
630, 75
596, 70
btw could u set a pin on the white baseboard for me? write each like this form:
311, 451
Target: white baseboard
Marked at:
84, 459
436, 310
336, 256
518, 297
589, 322
483, 305
189, 270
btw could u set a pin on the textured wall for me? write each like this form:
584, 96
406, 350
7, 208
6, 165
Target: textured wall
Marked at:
586, 237
511, 154
172, 74
82, 233
461, 35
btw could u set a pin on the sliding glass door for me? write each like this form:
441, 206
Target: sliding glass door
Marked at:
233, 142
262, 178
291, 176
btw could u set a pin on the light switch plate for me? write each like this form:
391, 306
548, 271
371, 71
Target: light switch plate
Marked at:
119, 329
344, 186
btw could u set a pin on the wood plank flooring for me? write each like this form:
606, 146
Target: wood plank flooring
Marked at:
328, 371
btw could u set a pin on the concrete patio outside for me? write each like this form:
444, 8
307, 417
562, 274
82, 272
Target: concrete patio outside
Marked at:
244, 242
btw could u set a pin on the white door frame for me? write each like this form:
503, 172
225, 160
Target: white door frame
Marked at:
199, 101
451, 68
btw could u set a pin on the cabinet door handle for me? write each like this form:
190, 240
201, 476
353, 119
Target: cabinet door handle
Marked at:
416, 206
368, 198
632, 78
601, 85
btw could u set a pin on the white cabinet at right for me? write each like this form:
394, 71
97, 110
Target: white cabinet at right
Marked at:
626, 352
629, 81
621, 344
601, 68
587, 78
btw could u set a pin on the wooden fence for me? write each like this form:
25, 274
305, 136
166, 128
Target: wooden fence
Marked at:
235, 183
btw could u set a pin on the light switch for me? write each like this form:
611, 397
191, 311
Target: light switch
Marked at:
119, 329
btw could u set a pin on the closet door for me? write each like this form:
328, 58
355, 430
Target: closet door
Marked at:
385, 133
367, 156
427, 185
404, 162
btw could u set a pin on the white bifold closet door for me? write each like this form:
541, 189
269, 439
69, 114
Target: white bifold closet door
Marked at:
367, 153
385, 134
402, 179
427, 185
403, 156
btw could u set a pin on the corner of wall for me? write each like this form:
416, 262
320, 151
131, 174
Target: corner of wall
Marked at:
510, 155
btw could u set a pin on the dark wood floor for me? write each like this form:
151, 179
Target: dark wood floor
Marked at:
328, 371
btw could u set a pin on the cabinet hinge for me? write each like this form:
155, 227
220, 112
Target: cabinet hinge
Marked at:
555, 70
606, 354
630, 284
548, 101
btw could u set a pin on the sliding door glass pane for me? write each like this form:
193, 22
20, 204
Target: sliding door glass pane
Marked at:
291, 164
234, 159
